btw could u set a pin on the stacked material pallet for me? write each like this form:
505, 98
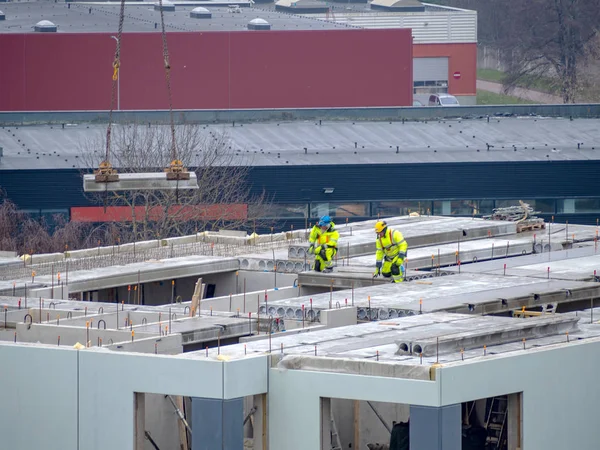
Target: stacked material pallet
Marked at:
523, 214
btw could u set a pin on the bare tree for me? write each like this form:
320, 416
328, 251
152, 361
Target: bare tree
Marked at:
10, 218
552, 38
222, 200
547, 42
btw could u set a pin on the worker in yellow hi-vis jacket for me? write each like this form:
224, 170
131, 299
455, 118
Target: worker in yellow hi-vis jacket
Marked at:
391, 252
323, 243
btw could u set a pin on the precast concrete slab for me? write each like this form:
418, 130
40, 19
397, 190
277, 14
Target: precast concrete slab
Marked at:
269, 265
443, 255
468, 293
349, 277
488, 332
140, 181
148, 271
578, 264
356, 240
204, 328
352, 349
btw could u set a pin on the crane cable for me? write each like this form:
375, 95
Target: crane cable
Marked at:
106, 172
176, 170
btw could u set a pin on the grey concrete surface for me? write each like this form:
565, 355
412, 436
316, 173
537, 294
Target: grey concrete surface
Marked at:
350, 349
468, 293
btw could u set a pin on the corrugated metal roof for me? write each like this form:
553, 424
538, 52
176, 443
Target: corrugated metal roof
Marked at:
141, 17
440, 26
332, 143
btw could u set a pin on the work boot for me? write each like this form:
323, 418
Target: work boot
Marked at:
328, 270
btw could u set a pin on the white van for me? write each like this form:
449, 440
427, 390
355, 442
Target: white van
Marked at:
443, 100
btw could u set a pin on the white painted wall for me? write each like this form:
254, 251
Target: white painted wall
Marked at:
294, 401
41, 387
39, 406
559, 385
48, 392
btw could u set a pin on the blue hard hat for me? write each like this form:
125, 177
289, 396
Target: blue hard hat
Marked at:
325, 220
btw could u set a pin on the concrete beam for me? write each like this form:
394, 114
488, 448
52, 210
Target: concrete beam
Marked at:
140, 181
493, 333
132, 274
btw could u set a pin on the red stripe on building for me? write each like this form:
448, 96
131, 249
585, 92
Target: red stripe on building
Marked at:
183, 213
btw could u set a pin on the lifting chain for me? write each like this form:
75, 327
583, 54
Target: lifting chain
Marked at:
105, 172
176, 170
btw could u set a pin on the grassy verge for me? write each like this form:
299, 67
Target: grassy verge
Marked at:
490, 98
542, 84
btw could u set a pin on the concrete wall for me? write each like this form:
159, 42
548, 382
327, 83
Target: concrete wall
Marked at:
297, 427
251, 300
560, 395
72, 335
161, 292
559, 386
48, 392
39, 407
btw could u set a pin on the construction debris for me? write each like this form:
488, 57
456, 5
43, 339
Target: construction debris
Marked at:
523, 214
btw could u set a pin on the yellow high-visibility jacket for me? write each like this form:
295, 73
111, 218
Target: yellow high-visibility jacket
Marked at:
329, 237
390, 246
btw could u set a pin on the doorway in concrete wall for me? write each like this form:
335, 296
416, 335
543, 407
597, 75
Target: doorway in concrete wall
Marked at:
364, 425
164, 422
493, 423
161, 421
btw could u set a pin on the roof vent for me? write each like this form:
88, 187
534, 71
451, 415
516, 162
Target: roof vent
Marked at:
45, 26
398, 5
259, 24
302, 6
166, 6
200, 13
2, 16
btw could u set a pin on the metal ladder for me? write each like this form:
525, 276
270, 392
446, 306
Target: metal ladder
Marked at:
495, 423
336, 444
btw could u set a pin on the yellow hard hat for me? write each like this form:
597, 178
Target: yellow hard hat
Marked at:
380, 226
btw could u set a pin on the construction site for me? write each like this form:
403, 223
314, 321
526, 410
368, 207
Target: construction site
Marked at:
237, 338
228, 340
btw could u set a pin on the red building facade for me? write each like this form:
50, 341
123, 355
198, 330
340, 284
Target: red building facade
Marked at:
210, 70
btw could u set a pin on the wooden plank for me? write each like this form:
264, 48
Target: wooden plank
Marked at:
197, 297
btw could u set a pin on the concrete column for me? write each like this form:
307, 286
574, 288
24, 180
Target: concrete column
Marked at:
435, 428
217, 424
325, 423
514, 421
139, 411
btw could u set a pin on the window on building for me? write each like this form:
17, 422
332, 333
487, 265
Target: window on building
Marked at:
401, 208
541, 205
430, 87
462, 207
279, 211
341, 209
578, 205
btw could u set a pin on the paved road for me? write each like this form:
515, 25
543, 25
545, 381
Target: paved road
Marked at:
526, 94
